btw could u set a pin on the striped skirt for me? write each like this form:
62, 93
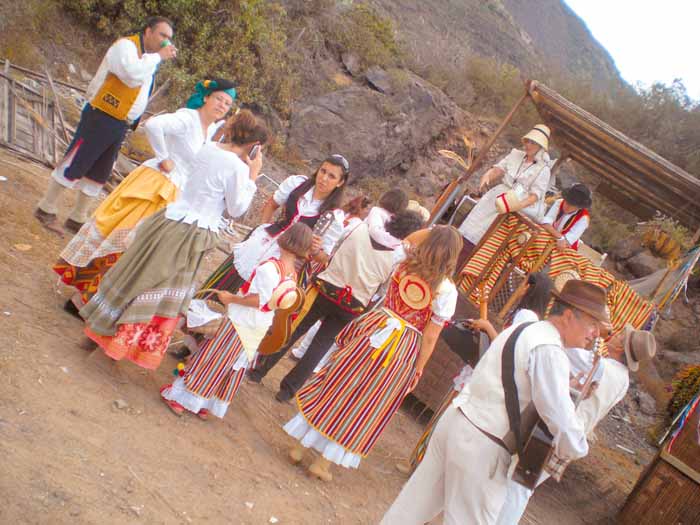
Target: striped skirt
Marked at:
352, 399
213, 376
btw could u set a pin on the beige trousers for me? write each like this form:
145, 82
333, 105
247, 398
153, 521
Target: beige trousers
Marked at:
463, 475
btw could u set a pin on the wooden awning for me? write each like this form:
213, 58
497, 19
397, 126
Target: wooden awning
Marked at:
642, 180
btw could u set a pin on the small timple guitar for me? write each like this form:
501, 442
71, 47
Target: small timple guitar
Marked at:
539, 448
281, 327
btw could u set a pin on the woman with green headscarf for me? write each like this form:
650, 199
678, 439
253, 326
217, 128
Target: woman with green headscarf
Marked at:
175, 138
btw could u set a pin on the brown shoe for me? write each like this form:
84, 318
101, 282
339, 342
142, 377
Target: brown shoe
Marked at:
320, 468
72, 226
49, 221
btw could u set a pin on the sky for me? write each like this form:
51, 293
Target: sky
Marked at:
649, 40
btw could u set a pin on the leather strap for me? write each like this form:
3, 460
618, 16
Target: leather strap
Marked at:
509, 387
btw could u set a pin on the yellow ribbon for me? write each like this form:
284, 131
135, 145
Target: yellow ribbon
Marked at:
393, 339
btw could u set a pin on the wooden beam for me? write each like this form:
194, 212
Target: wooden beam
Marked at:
611, 174
544, 96
654, 195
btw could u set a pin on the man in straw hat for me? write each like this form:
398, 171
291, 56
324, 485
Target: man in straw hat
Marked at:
464, 471
626, 350
568, 217
518, 182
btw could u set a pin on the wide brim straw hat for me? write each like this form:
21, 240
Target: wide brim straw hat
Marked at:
585, 296
416, 207
284, 296
564, 277
640, 345
539, 135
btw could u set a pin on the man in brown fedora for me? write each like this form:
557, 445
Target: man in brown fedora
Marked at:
464, 472
626, 350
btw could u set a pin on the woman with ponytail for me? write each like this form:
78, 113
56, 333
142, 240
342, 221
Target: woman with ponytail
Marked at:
137, 305
175, 138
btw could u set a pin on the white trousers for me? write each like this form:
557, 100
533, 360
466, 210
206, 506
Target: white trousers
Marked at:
463, 475
517, 498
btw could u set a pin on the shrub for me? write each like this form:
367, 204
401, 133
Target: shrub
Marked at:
243, 41
361, 30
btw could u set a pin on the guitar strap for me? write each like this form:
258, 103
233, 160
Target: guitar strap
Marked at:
509, 387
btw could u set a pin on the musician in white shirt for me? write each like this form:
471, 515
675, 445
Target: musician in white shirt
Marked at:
626, 350
464, 471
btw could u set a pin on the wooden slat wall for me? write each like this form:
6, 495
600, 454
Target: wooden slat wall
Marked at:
27, 119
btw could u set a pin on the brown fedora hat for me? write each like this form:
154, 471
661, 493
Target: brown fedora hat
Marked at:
640, 345
584, 296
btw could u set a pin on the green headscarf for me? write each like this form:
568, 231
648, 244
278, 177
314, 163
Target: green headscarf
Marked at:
206, 88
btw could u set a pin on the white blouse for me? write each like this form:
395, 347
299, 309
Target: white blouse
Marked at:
444, 303
123, 60
577, 229
221, 181
266, 279
261, 246
376, 220
179, 137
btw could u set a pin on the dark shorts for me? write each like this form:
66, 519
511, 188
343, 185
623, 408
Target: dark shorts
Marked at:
95, 146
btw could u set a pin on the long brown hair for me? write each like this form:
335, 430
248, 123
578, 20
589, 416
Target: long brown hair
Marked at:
335, 199
435, 258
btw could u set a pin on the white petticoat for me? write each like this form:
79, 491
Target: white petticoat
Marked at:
178, 392
299, 429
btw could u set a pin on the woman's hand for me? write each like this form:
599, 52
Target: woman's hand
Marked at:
255, 165
315, 245
225, 297
484, 182
166, 165
414, 382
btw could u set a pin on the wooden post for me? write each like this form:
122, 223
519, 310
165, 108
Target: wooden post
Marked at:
5, 122
57, 105
452, 191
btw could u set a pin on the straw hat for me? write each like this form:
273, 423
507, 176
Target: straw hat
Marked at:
564, 277
640, 345
414, 291
420, 210
539, 135
584, 296
284, 296
508, 201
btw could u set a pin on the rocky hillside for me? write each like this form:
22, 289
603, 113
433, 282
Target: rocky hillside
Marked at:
535, 35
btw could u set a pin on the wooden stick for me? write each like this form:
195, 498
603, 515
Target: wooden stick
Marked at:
43, 77
57, 104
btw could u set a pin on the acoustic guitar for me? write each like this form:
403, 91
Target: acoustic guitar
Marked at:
539, 449
281, 328
283, 322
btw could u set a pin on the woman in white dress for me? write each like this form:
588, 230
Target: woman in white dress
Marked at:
521, 179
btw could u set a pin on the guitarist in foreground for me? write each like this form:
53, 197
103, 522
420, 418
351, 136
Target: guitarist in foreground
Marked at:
626, 350
464, 473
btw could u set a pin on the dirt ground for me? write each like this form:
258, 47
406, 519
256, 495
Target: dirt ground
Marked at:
70, 455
